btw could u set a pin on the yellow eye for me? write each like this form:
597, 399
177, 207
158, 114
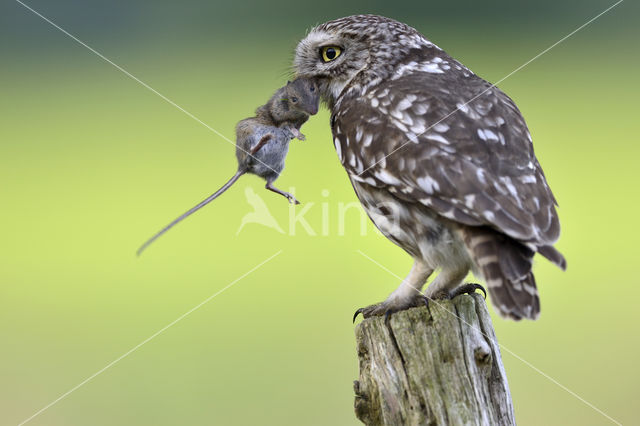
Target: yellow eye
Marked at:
329, 53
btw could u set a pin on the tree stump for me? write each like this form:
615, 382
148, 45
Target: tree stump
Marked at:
439, 365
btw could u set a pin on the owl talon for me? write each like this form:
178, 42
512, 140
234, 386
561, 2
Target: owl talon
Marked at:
355, 315
388, 308
467, 289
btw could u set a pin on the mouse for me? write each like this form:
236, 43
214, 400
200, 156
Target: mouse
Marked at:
291, 105
262, 141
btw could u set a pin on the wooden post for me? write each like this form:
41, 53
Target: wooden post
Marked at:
436, 366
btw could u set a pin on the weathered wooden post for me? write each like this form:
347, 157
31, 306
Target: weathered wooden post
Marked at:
436, 366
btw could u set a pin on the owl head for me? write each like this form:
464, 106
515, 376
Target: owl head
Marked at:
353, 51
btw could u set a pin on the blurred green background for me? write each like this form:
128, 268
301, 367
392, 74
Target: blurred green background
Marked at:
92, 164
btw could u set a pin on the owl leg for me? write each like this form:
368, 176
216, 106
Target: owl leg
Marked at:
407, 295
288, 196
447, 285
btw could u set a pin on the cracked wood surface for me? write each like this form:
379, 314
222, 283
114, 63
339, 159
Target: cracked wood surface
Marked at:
431, 367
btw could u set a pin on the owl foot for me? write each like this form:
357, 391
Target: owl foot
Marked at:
466, 289
387, 308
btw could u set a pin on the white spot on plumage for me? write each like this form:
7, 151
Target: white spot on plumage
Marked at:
490, 135
462, 107
489, 215
437, 138
374, 102
493, 283
490, 122
429, 184
404, 104
420, 109
487, 260
336, 142
368, 138
370, 181
400, 125
528, 179
529, 289
418, 128
358, 133
481, 177
396, 113
441, 127
510, 187
406, 119
412, 137
359, 168
469, 200
411, 164
431, 68
502, 140
352, 159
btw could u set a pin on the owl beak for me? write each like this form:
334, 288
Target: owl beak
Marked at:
313, 110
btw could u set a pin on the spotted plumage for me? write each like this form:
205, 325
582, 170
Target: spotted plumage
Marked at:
441, 160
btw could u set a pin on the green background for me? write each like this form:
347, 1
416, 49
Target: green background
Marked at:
92, 164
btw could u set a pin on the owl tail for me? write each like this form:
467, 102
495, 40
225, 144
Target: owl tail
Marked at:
505, 264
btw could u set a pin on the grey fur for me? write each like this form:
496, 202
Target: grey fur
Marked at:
262, 141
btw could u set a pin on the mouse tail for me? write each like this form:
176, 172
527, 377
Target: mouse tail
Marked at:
192, 210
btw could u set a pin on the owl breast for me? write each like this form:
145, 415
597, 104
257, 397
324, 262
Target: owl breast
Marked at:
415, 228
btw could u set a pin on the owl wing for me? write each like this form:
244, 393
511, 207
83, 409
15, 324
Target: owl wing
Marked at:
473, 162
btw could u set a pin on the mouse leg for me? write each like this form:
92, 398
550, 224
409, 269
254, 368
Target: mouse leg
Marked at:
296, 133
263, 141
289, 197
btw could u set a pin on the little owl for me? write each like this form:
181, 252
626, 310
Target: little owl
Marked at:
440, 159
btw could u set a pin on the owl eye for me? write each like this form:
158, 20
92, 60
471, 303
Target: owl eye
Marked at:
329, 53
294, 100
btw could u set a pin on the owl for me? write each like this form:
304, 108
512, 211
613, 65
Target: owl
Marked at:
441, 160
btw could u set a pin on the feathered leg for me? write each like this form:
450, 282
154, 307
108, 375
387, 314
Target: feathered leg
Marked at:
406, 296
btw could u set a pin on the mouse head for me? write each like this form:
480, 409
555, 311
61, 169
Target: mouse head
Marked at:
303, 95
